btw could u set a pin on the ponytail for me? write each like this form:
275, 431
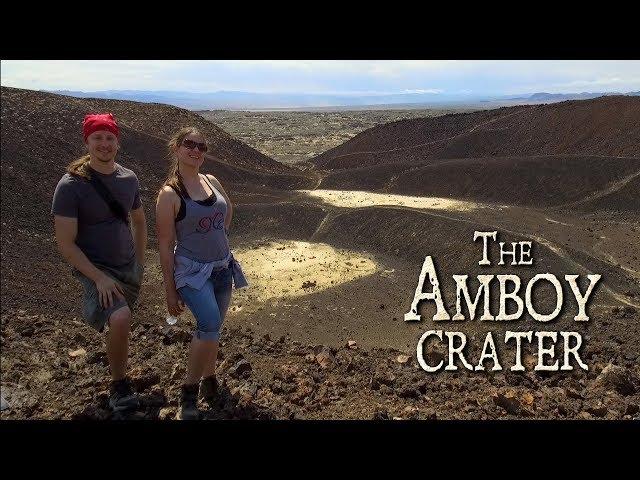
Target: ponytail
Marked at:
80, 167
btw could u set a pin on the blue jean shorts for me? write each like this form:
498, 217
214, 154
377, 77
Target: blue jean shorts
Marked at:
128, 277
209, 304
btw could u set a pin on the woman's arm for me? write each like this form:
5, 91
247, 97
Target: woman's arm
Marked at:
166, 233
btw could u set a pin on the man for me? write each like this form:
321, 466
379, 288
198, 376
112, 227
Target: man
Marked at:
92, 205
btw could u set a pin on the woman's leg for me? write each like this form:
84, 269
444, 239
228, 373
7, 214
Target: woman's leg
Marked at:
222, 291
204, 307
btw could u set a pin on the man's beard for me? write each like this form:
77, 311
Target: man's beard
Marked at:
104, 160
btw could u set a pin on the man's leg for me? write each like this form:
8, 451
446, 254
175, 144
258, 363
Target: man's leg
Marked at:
122, 395
118, 317
118, 342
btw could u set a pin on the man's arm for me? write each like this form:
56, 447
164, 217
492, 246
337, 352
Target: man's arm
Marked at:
139, 224
66, 229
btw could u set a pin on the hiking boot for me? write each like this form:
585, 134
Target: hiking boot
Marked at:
122, 396
209, 388
189, 402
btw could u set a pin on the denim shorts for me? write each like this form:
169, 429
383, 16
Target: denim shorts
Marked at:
128, 277
209, 304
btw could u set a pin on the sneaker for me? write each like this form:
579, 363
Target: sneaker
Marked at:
209, 388
122, 396
189, 402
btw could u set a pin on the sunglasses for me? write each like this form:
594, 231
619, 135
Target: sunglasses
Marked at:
190, 144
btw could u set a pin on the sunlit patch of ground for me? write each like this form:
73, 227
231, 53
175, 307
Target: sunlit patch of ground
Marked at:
294, 268
358, 199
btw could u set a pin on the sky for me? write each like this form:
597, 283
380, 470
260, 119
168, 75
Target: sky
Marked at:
361, 77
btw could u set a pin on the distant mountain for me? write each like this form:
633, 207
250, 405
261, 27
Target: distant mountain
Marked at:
233, 100
558, 97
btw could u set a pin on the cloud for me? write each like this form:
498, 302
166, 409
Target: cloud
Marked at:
422, 90
482, 77
600, 82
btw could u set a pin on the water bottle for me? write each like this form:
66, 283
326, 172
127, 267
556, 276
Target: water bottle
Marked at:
171, 320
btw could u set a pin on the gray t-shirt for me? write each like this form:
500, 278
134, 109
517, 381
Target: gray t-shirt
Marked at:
102, 237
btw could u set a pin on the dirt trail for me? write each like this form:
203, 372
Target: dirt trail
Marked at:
612, 188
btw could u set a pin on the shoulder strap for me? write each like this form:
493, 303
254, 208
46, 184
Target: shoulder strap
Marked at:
215, 191
117, 209
206, 177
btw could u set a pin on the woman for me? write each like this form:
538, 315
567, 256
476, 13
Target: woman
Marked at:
193, 214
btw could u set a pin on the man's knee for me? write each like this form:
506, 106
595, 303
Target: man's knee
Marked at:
120, 320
